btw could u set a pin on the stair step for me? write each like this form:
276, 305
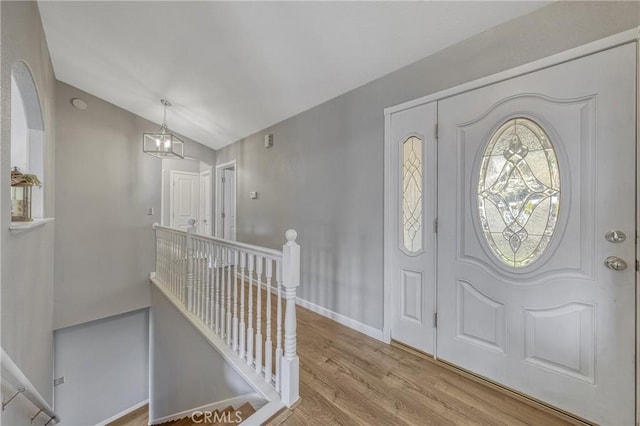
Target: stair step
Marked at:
228, 416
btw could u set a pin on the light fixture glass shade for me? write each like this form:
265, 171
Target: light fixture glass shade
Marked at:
162, 145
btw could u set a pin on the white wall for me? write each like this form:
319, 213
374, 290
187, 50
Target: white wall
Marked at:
19, 131
186, 371
26, 285
105, 246
105, 364
324, 175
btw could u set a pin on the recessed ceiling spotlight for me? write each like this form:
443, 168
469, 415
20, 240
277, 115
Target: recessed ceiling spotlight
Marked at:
79, 103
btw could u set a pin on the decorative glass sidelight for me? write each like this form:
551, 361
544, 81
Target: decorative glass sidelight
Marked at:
519, 192
412, 194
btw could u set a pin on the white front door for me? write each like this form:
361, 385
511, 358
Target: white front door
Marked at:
411, 249
534, 175
184, 202
204, 227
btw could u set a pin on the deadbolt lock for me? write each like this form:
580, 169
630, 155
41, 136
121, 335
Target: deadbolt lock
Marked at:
615, 236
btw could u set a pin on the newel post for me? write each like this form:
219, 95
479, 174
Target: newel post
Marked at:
290, 363
189, 247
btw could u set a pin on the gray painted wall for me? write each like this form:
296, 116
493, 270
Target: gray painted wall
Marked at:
27, 258
105, 247
186, 371
105, 364
324, 175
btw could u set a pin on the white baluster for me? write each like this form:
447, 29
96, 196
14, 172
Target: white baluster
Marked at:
229, 298
278, 323
223, 291
216, 282
203, 283
258, 347
190, 277
290, 362
235, 301
210, 301
268, 345
243, 258
171, 265
182, 267
250, 259
196, 276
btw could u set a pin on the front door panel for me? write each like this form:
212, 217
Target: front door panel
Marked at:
538, 170
411, 242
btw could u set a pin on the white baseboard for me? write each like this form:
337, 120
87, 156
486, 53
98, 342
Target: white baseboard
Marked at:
344, 320
123, 413
252, 398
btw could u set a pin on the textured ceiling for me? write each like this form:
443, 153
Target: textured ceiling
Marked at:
233, 68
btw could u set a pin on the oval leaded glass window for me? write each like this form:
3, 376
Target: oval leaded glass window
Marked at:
412, 194
519, 192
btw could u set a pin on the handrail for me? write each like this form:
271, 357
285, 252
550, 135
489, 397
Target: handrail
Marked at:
18, 380
208, 276
274, 254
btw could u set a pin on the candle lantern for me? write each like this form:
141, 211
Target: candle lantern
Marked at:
21, 188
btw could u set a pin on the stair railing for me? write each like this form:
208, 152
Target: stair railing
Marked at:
15, 379
220, 281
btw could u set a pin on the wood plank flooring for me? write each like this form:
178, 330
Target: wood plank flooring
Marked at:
347, 378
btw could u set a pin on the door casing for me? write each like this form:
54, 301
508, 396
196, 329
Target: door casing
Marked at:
629, 36
220, 168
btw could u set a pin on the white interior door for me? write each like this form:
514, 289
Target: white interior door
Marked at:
205, 203
534, 174
184, 203
229, 204
411, 248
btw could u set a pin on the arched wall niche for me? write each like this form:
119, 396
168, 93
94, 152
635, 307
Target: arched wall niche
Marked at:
27, 129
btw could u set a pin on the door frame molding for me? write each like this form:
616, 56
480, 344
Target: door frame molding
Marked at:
637, 228
218, 204
625, 37
208, 173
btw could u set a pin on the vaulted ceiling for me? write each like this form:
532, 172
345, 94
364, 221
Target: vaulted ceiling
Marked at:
234, 68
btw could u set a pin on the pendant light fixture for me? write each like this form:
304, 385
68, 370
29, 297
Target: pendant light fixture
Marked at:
163, 144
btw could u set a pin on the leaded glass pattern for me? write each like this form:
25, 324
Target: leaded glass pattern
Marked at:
412, 194
519, 192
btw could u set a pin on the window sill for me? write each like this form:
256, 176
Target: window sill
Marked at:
17, 227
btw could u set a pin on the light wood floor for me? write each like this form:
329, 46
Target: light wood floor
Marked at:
348, 378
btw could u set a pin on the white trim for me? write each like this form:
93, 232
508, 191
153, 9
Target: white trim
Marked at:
629, 36
568, 55
637, 226
162, 212
387, 234
123, 413
217, 232
342, 319
261, 416
255, 380
236, 402
207, 174
17, 227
